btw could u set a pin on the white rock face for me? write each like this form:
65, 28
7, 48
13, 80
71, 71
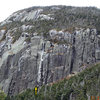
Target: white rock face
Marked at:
61, 33
15, 48
32, 15
25, 27
2, 34
45, 17
55, 8
2, 31
52, 32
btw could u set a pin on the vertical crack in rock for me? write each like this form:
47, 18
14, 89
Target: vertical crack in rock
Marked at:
65, 56
47, 71
9, 90
72, 59
93, 53
83, 52
73, 54
7, 67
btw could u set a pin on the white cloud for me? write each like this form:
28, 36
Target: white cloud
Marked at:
7, 7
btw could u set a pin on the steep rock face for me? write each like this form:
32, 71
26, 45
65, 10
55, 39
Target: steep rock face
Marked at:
42, 62
29, 58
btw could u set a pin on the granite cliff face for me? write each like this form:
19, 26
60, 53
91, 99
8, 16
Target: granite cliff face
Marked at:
41, 45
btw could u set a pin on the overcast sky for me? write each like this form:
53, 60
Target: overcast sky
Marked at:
7, 7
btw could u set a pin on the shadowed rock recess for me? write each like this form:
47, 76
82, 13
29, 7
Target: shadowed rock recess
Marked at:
41, 45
